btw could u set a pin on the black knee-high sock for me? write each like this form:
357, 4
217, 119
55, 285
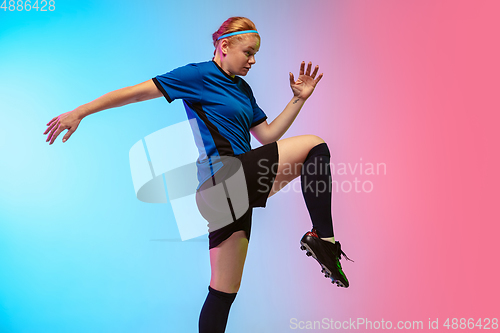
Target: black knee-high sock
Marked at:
316, 181
215, 311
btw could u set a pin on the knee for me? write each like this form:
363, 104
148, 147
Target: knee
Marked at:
234, 288
228, 288
315, 140
319, 149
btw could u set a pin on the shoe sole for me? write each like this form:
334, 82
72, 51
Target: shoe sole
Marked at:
324, 269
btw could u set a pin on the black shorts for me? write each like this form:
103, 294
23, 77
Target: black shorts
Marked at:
226, 200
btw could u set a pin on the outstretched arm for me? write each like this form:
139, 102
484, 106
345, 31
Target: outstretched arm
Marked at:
302, 90
70, 120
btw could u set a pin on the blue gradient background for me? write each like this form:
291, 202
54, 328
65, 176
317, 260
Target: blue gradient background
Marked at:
410, 84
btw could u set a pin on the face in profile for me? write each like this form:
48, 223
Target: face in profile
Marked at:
241, 55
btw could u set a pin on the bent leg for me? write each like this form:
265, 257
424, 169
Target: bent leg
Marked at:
309, 157
292, 154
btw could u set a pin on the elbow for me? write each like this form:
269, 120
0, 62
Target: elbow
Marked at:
272, 137
268, 140
265, 134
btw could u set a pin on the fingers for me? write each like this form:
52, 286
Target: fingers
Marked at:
67, 135
56, 134
51, 121
66, 121
292, 80
308, 71
50, 127
51, 134
315, 71
51, 130
317, 79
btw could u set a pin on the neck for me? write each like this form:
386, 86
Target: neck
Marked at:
218, 61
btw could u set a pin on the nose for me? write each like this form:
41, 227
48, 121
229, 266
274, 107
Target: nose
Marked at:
251, 59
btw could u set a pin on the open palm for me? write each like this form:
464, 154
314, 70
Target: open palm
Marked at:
305, 84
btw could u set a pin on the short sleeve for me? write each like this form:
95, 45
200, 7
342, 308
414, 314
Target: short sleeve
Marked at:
181, 83
258, 115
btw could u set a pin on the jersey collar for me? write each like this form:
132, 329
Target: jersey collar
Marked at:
234, 80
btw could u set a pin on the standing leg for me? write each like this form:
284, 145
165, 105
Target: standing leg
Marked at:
226, 261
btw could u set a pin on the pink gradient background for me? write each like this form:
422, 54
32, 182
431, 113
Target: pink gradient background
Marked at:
413, 85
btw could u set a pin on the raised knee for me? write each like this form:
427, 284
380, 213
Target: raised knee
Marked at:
316, 140
319, 149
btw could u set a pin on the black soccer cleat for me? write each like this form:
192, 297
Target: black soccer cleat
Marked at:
327, 254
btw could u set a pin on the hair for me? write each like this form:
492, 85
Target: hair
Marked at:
233, 24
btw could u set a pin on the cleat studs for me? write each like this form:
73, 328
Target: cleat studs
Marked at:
308, 254
302, 247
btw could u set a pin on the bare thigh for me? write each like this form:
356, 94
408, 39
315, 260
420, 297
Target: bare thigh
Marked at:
292, 154
227, 261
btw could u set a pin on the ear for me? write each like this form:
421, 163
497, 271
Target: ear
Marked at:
224, 46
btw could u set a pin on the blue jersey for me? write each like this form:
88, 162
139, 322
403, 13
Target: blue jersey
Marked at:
224, 108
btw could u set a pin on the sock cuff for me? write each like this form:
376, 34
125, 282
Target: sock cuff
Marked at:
319, 150
222, 295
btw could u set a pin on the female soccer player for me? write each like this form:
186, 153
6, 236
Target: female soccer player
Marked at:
226, 112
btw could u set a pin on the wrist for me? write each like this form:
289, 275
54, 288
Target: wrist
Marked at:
297, 99
81, 112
